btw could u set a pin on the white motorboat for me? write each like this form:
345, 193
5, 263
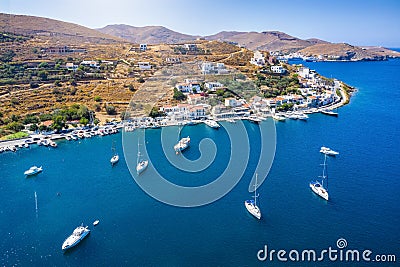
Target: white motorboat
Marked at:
251, 205
278, 117
254, 119
68, 138
231, 120
318, 187
302, 116
212, 124
52, 144
96, 222
77, 236
328, 151
33, 170
329, 112
182, 144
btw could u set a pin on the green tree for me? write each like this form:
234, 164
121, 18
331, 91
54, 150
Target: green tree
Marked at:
15, 126
84, 121
33, 127
97, 98
110, 109
131, 88
178, 95
42, 75
7, 56
155, 112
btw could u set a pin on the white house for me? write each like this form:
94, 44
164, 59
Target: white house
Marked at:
258, 59
191, 47
143, 47
213, 86
213, 68
189, 87
197, 112
194, 99
231, 102
71, 66
90, 63
278, 69
144, 65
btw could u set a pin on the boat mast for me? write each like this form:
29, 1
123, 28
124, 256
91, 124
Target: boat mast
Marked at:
323, 172
255, 192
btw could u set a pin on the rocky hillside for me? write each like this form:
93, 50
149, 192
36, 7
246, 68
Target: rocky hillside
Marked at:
148, 34
268, 40
54, 29
343, 51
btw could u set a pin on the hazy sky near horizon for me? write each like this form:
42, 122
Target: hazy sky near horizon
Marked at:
367, 22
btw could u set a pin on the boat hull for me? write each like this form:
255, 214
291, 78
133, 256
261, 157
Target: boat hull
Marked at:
252, 209
84, 234
319, 190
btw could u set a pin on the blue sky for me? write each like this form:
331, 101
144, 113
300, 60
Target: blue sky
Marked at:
368, 22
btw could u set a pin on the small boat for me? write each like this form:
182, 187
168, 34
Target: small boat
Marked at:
68, 138
254, 119
318, 187
231, 120
12, 148
141, 166
291, 115
26, 145
212, 124
182, 144
251, 205
328, 151
33, 170
302, 116
52, 144
87, 135
329, 112
278, 117
96, 222
77, 236
114, 158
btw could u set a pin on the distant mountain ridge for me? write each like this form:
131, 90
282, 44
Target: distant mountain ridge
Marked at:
147, 34
56, 29
67, 33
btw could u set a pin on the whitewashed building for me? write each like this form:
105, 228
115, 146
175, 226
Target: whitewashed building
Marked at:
144, 65
258, 59
278, 69
213, 86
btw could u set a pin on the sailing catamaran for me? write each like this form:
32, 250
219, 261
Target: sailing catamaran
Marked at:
251, 205
141, 164
318, 187
115, 158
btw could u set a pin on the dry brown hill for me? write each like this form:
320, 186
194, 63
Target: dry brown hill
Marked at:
57, 30
147, 34
268, 40
343, 51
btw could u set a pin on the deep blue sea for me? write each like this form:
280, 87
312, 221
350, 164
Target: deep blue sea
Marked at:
78, 185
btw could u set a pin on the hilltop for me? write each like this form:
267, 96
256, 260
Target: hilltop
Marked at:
147, 34
343, 51
267, 40
54, 29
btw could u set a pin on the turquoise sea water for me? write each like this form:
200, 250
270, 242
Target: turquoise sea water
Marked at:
136, 230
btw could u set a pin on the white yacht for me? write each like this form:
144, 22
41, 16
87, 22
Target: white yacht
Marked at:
251, 205
328, 151
212, 124
278, 117
231, 120
318, 187
68, 138
254, 119
302, 116
78, 234
182, 144
33, 170
141, 166
329, 112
